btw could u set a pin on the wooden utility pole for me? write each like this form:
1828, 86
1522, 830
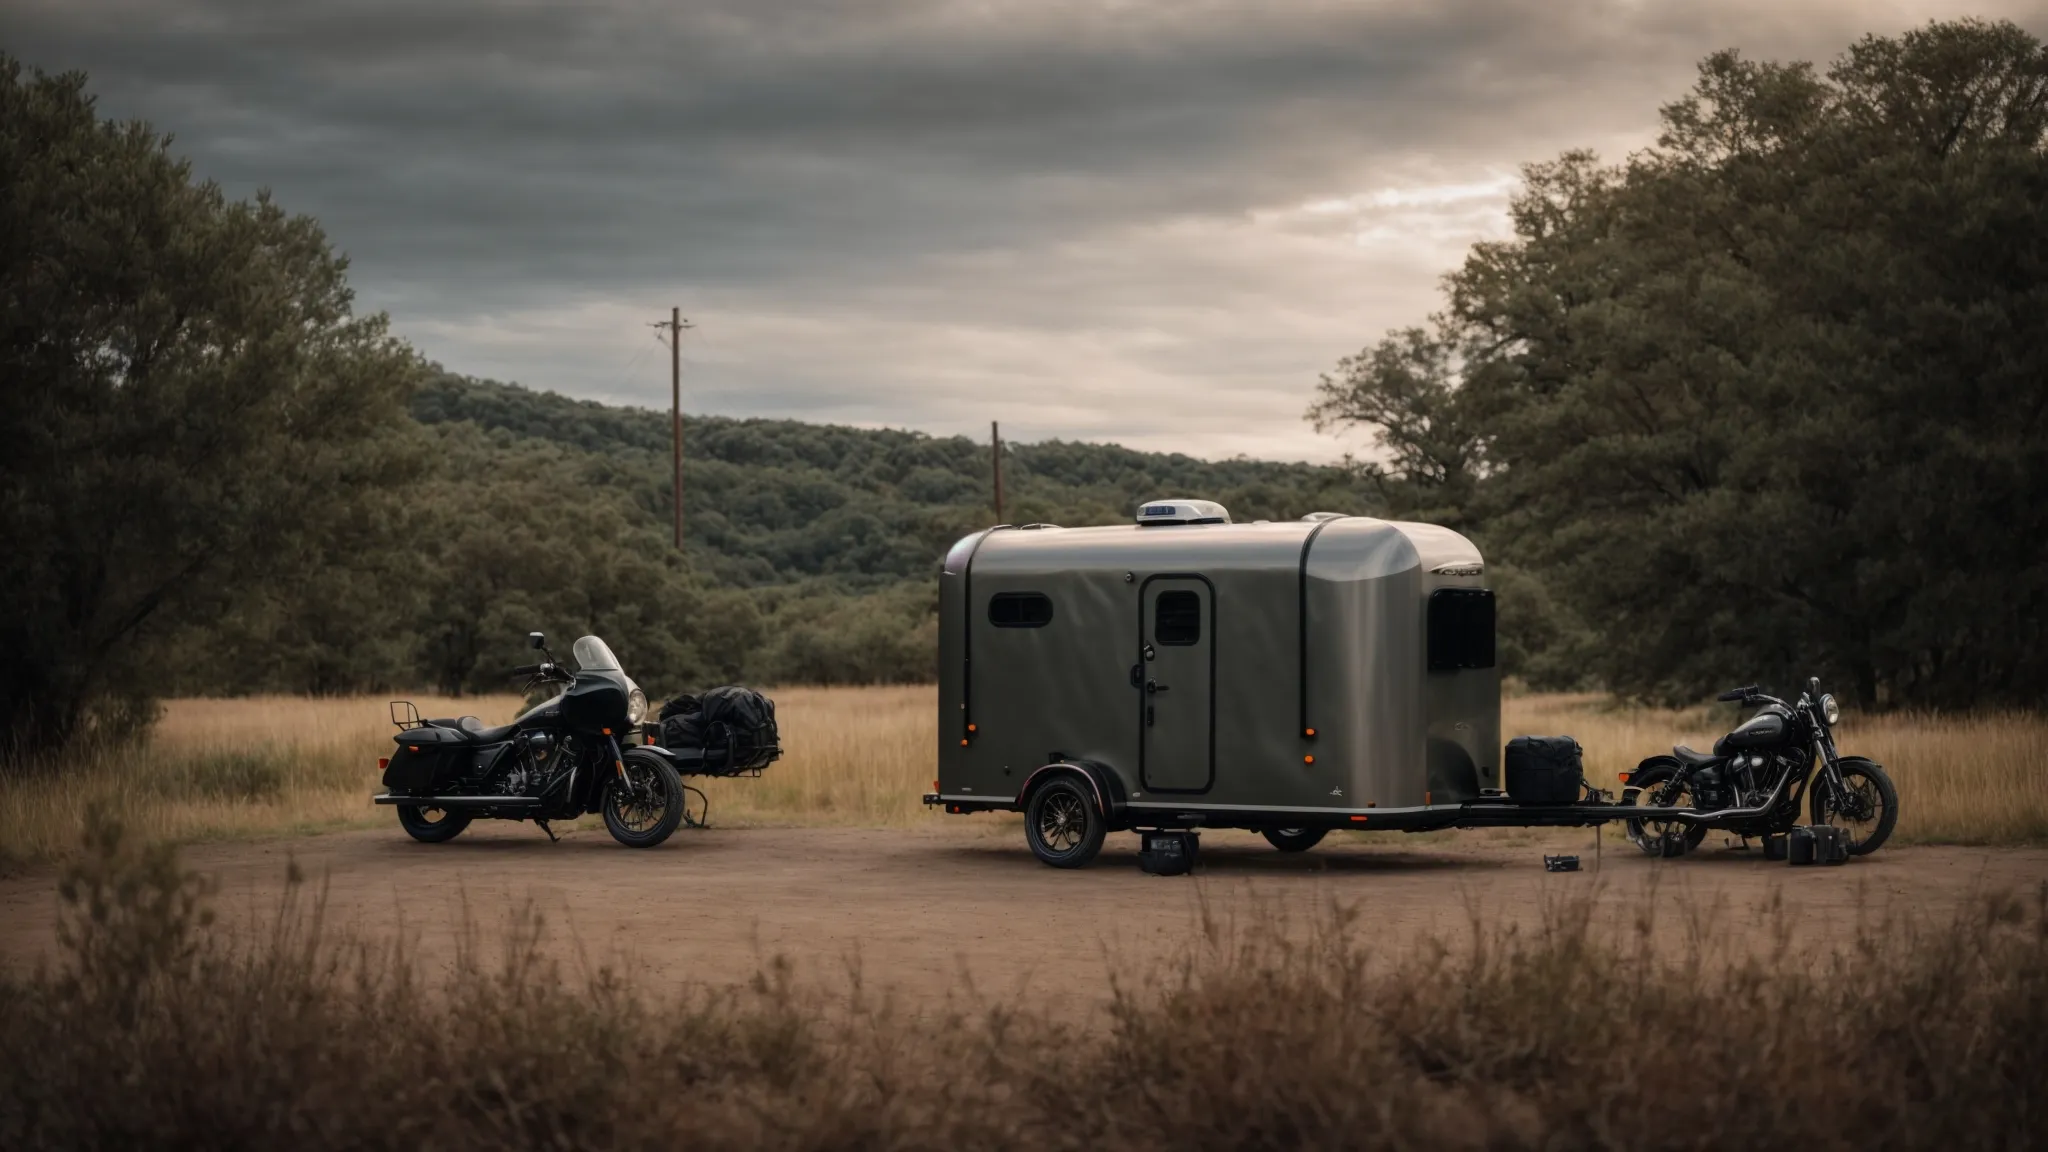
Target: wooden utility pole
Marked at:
995, 441
675, 324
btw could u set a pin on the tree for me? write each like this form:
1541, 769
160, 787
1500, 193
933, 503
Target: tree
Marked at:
1767, 399
187, 394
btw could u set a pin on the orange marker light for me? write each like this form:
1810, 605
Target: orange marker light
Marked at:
607, 731
972, 728
1359, 819
963, 743
412, 747
1308, 759
1308, 731
935, 785
1624, 777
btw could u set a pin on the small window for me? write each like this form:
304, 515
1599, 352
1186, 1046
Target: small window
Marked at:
1177, 618
1460, 629
1020, 610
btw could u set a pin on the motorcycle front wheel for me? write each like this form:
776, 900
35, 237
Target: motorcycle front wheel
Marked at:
641, 810
1868, 813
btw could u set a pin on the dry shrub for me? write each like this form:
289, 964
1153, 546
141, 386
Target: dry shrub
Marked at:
155, 1032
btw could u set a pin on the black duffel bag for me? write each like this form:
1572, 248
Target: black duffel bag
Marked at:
1545, 769
734, 726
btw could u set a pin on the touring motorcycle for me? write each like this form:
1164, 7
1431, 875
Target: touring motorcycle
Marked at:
557, 761
1754, 780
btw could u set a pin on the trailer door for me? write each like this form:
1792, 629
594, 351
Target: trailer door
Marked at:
1176, 678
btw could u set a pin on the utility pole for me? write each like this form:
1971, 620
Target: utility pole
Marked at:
995, 441
675, 324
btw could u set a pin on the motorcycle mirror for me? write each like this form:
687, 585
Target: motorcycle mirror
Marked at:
537, 639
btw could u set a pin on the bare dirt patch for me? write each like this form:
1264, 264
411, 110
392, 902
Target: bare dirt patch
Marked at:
964, 909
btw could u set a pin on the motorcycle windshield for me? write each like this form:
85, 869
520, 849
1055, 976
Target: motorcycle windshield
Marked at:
592, 655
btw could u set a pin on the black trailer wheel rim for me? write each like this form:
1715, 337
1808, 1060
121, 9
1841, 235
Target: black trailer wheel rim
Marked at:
1062, 822
1859, 812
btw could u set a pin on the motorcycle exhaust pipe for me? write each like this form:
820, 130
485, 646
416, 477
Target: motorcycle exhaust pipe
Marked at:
1691, 817
454, 803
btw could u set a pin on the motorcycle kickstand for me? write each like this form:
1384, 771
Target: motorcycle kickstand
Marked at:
552, 838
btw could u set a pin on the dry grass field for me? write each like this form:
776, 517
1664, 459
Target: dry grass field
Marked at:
863, 756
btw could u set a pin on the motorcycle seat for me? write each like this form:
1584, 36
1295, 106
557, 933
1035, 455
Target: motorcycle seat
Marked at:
473, 729
1692, 759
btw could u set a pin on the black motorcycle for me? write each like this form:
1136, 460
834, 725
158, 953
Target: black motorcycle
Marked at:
557, 761
1753, 782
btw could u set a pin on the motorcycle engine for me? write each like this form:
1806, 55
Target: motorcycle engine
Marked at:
1710, 789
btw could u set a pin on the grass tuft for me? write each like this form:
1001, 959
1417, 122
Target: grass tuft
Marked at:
155, 1030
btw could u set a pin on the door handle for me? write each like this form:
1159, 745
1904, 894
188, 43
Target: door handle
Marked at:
1152, 686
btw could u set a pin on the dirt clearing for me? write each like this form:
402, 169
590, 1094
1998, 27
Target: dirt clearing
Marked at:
965, 910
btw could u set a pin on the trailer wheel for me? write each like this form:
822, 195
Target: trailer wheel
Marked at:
1062, 824
1294, 839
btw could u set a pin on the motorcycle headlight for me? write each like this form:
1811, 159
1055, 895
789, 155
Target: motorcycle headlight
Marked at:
1830, 709
636, 706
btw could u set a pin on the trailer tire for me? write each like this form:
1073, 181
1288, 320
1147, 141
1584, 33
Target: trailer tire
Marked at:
1062, 823
1294, 839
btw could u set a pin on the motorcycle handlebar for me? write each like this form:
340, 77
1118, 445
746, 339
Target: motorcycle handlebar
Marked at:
526, 670
1736, 695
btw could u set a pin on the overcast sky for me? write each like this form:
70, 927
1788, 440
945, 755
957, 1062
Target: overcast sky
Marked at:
1153, 223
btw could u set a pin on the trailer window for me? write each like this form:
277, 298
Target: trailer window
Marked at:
1020, 610
1460, 629
1177, 618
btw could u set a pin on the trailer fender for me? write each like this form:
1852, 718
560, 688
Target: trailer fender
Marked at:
1103, 784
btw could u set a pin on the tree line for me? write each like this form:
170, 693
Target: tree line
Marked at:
1762, 400
221, 479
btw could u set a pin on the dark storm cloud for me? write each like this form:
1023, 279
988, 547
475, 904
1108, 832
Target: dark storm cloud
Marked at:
905, 212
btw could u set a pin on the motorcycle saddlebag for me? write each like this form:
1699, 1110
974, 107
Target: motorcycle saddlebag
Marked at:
1544, 769
426, 759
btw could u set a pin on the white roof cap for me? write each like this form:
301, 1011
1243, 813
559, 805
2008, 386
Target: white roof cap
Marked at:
1182, 512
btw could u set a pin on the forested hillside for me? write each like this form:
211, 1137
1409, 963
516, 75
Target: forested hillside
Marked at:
811, 551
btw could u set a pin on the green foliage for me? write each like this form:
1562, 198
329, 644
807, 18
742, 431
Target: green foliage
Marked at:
189, 401
811, 557
1767, 399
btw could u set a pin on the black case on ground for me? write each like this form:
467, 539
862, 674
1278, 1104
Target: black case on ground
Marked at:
1817, 844
1544, 769
1168, 853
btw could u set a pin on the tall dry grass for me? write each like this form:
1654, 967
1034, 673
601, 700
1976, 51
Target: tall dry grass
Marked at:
154, 1032
1972, 779
864, 756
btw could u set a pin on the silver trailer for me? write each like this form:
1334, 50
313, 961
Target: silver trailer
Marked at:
1188, 672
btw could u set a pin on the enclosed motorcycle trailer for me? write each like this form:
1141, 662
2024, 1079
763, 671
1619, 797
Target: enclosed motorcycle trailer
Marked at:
1188, 672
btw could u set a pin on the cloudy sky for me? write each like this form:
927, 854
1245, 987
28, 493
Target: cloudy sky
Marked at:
1149, 222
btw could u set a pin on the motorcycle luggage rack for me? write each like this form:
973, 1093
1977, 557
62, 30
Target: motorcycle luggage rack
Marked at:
408, 718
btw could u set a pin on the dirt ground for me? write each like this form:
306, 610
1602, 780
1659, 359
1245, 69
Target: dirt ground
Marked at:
963, 909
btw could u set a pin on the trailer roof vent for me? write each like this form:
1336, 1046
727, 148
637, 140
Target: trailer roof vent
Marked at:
1157, 512
1319, 517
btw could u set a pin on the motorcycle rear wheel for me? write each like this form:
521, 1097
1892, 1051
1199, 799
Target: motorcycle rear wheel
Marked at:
1662, 837
437, 828
646, 811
